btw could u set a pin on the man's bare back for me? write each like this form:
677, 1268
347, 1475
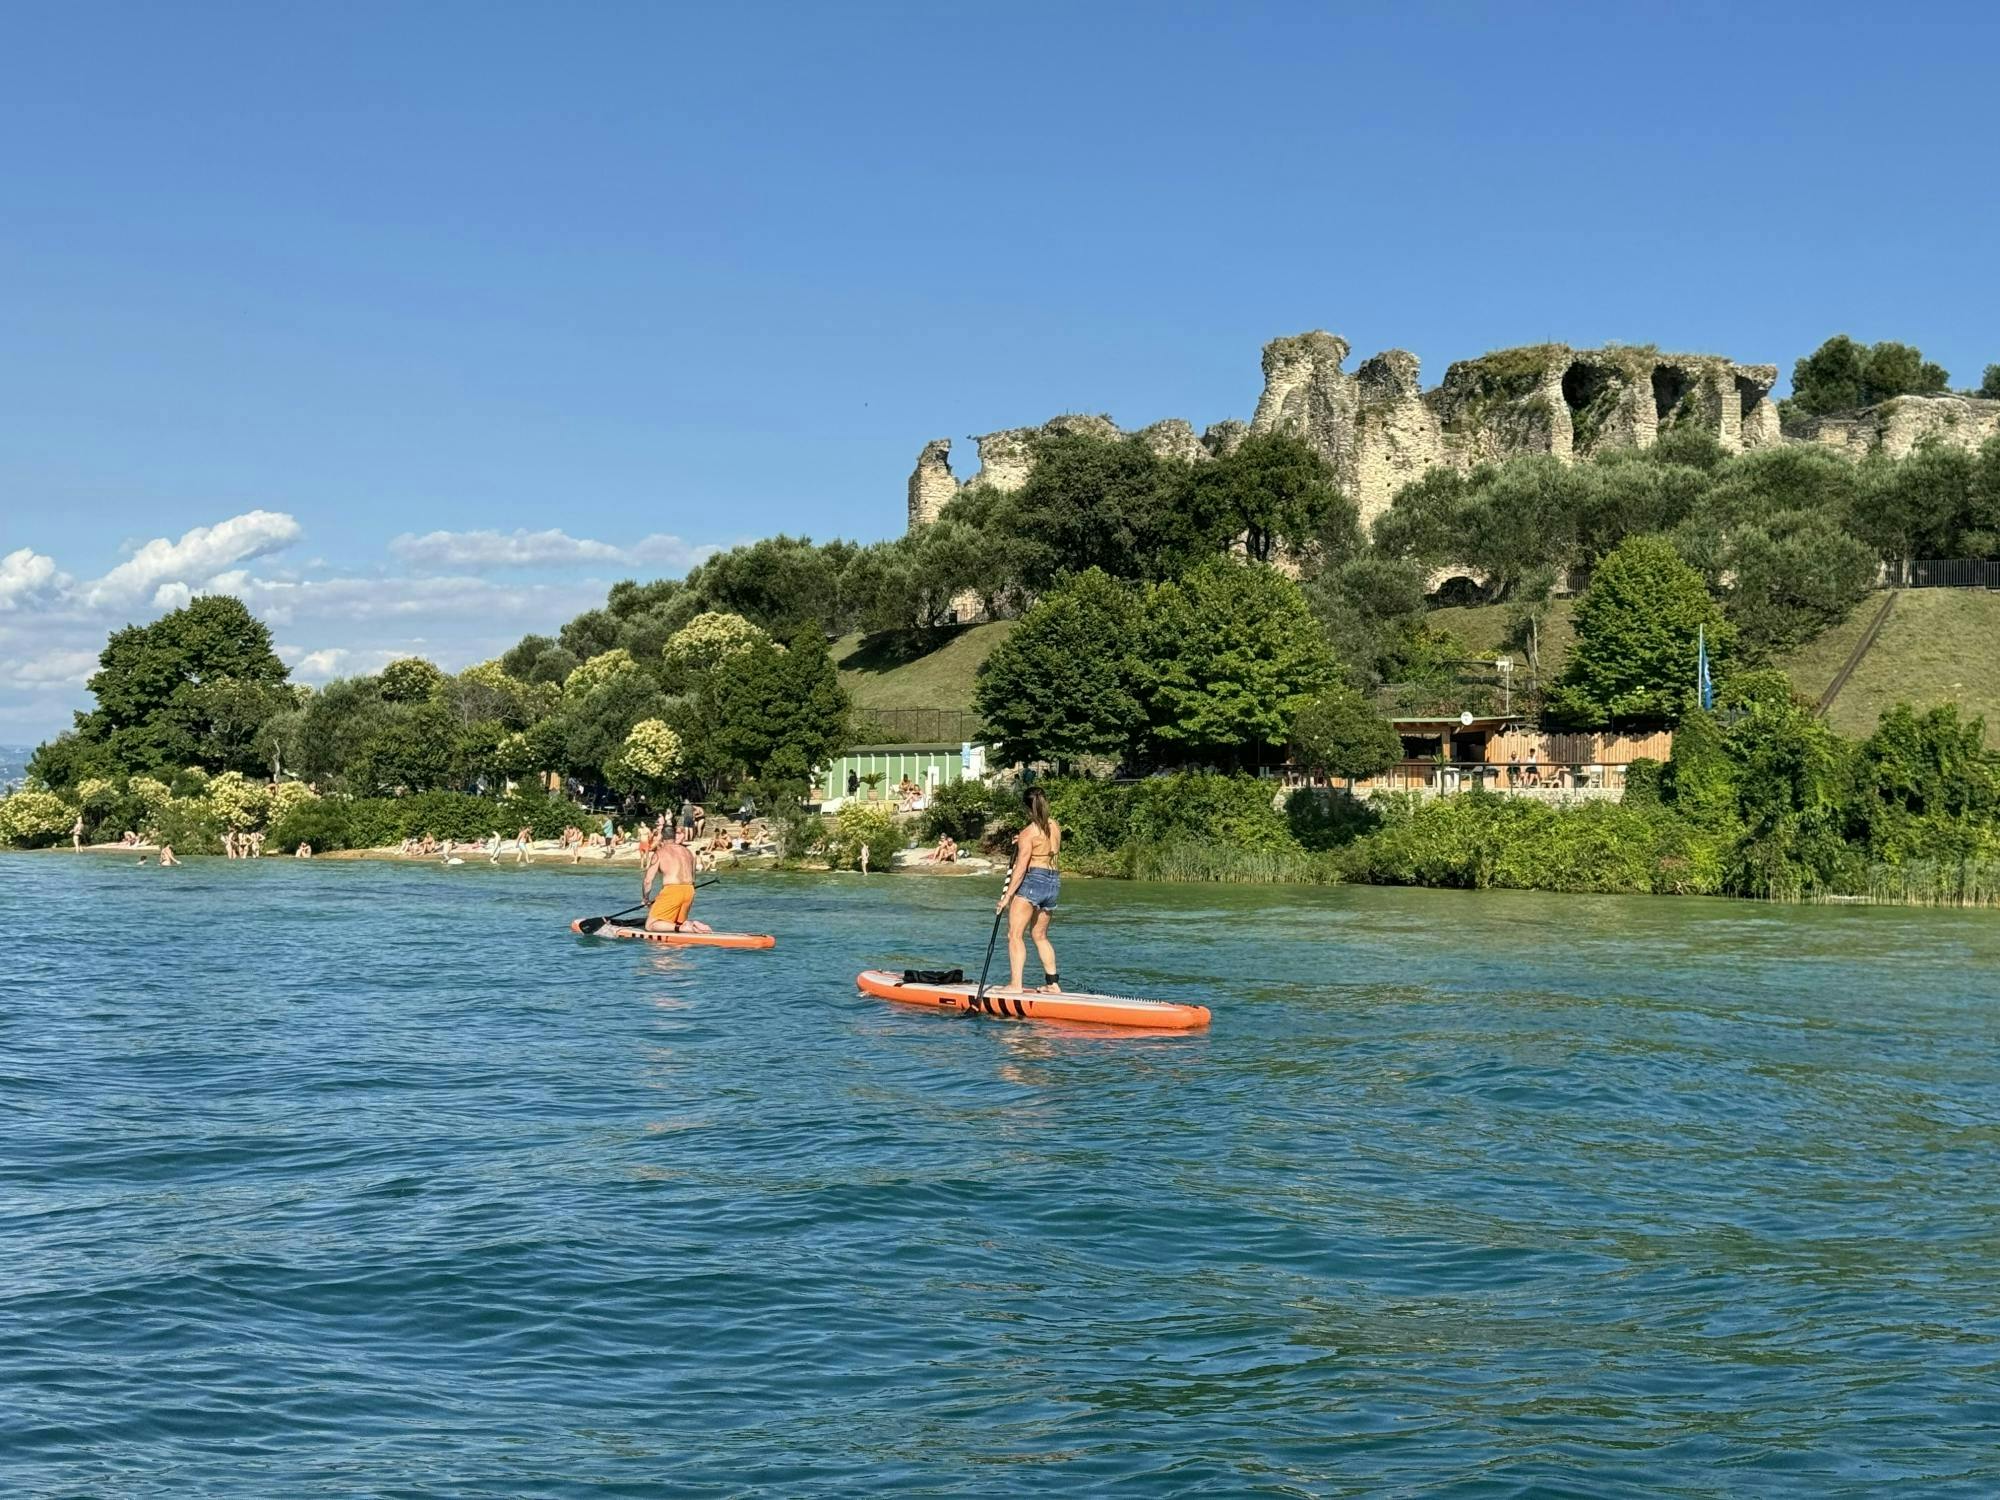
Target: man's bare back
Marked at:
672, 864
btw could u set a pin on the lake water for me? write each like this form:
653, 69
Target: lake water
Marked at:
340, 1179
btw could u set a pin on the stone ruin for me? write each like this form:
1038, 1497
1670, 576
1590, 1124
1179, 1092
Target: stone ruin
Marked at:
1379, 429
1897, 425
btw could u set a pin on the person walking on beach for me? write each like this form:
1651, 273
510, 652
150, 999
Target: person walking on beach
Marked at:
76, 833
1031, 893
672, 864
521, 841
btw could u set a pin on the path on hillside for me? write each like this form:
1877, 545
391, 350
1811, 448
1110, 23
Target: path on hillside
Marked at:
1861, 649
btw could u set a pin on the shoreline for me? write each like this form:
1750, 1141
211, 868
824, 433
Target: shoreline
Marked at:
539, 857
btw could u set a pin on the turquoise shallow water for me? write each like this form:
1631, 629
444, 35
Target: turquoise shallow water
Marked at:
343, 1179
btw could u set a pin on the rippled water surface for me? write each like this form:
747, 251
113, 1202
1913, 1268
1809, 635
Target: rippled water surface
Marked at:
341, 1179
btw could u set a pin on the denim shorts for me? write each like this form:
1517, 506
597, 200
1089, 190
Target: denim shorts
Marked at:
1039, 888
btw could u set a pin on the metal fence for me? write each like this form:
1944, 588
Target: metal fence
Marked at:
1944, 573
917, 726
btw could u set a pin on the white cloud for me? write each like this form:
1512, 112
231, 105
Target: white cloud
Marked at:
54, 668
334, 661
539, 549
27, 576
53, 625
170, 572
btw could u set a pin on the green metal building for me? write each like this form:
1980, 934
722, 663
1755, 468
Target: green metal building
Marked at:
926, 765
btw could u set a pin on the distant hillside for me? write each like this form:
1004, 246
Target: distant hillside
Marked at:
1939, 645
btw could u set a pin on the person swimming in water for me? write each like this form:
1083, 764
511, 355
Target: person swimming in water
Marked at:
1031, 893
672, 863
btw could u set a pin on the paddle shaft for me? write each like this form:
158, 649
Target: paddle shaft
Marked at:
993, 938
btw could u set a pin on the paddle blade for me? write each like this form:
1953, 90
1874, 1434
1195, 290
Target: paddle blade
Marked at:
590, 925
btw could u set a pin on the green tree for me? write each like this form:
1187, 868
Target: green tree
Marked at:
649, 761
537, 658
1699, 779
1228, 655
1061, 685
601, 701
1090, 502
1274, 493
774, 711
191, 688
1338, 732
1793, 778
1792, 577
1637, 627
779, 584
1368, 605
1990, 386
1509, 520
1922, 506
706, 640
1842, 375
409, 747
410, 679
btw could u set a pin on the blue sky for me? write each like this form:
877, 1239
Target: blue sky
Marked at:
284, 284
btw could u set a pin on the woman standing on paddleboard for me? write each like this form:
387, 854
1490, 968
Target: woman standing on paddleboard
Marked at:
1032, 889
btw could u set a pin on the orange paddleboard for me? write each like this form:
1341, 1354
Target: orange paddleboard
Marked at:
1101, 1010
680, 939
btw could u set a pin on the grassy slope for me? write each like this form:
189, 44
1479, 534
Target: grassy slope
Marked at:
1940, 645
1481, 627
935, 670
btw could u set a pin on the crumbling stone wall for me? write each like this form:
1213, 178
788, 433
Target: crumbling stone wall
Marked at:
1308, 396
1398, 437
1378, 429
932, 483
1900, 423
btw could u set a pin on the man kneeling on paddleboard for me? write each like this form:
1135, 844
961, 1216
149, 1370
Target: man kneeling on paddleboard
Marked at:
673, 864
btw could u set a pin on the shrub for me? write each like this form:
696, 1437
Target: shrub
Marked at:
1338, 732
1236, 810
33, 818
962, 809
1479, 841
382, 822
1322, 820
859, 823
1643, 781
1096, 816
287, 795
191, 824
236, 802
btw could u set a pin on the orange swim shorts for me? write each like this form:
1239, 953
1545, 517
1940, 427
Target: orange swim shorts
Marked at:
671, 905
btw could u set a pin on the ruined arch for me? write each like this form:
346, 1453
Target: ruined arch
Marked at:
1671, 386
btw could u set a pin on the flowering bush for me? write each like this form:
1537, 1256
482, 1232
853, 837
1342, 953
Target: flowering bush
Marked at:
237, 802
34, 818
709, 639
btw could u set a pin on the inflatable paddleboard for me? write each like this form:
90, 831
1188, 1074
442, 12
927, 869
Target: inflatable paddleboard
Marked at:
1101, 1010
679, 939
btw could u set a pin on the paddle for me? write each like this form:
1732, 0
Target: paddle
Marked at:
979, 995
590, 925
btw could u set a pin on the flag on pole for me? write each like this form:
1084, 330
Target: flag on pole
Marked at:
1703, 687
